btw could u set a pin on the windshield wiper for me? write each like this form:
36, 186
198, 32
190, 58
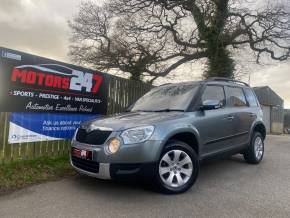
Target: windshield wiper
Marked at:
168, 110
162, 110
143, 111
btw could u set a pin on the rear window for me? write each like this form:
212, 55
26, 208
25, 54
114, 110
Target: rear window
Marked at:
251, 98
235, 97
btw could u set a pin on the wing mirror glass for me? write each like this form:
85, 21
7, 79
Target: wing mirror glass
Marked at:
211, 105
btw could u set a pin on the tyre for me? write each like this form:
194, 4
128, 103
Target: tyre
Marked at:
255, 151
177, 168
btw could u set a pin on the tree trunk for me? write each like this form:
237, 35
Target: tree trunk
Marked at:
135, 75
220, 62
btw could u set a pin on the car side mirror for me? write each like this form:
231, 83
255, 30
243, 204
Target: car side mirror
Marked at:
211, 105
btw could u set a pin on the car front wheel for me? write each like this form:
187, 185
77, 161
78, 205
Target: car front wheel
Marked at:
177, 168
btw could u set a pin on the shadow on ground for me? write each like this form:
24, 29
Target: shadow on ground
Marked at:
208, 168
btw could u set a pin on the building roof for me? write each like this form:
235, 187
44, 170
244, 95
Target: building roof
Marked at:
267, 96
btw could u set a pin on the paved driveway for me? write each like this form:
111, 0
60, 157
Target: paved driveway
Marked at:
225, 188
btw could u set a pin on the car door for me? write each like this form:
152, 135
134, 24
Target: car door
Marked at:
242, 115
253, 107
214, 126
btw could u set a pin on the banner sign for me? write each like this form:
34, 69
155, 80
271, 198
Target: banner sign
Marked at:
33, 127
30, 83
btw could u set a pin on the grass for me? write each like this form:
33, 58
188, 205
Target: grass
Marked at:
25, 172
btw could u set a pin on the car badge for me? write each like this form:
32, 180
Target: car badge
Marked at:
90, 128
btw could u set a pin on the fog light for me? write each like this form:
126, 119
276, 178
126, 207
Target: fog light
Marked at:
113, 145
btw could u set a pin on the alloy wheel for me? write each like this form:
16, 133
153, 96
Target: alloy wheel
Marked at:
259, 148
175, 168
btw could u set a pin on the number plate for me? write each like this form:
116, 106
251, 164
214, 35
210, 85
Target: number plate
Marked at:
80, 153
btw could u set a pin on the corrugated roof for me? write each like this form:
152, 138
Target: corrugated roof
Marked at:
267, 96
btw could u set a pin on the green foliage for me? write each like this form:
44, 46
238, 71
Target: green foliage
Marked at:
220, 64
21, 173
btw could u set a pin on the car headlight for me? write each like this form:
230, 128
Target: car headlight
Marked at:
137, 135
113, 145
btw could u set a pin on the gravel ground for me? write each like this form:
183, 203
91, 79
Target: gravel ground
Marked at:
225, 188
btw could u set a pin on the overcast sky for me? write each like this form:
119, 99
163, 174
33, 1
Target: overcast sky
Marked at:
40, 27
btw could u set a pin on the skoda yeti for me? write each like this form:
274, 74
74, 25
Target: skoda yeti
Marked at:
170, 130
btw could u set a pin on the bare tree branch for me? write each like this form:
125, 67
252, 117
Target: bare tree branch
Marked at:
154, 37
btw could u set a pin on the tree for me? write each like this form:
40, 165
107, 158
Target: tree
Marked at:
190, 30
100, 39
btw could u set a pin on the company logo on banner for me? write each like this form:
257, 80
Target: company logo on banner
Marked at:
33, 127
49, 99
35, 84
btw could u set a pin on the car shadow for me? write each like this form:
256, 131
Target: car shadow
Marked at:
208, 170
111, 186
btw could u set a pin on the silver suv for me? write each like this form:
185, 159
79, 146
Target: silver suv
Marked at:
170, 130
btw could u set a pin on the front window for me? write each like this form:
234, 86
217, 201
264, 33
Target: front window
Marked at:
214, 93
167, 98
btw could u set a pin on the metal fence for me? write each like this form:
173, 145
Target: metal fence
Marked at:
122, 93
287, 121
277, 120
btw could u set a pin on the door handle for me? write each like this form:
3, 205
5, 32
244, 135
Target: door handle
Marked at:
252, 114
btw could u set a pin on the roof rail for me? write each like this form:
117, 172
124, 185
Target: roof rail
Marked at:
226, 80
164, 84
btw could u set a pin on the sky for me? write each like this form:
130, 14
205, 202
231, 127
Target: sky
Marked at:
40, 27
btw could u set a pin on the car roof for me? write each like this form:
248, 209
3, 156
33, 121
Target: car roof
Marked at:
213, 81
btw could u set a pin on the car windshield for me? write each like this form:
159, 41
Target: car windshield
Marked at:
167, 98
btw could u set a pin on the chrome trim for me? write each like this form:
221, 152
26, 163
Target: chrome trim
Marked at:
104, 171
92, 127
86, 146
75, 134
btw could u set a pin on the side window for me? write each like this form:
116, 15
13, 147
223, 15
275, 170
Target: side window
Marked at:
235, 97
214, 93
251, 98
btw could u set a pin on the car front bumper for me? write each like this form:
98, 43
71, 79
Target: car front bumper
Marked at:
109, 171
136, 159
104, 171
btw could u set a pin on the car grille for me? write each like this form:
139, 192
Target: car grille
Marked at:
95, 137
86, 165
